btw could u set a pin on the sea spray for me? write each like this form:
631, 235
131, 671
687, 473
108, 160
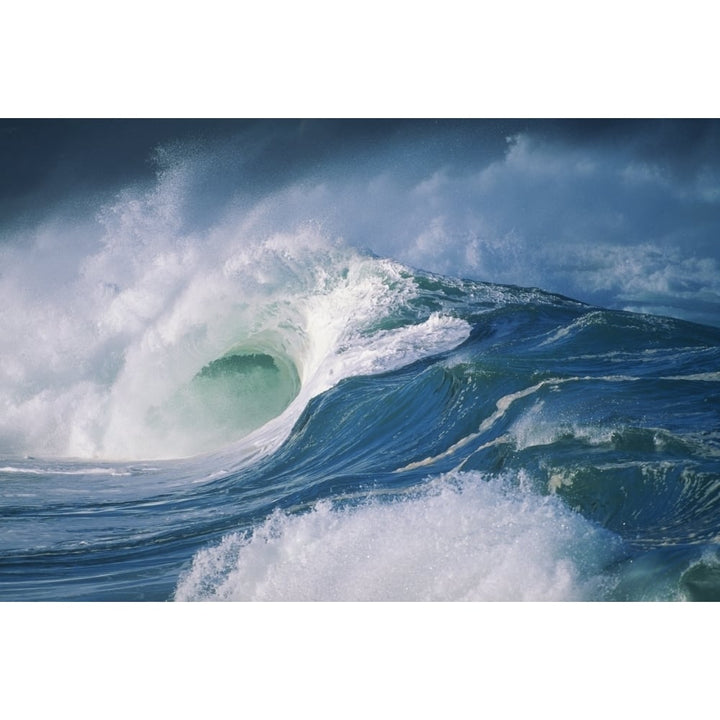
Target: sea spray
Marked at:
134, 381
459, 537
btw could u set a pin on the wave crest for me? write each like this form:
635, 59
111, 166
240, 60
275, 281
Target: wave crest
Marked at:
462, 537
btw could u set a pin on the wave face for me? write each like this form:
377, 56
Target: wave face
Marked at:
202, 401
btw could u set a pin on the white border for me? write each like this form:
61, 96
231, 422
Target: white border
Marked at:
375, 59
357, 659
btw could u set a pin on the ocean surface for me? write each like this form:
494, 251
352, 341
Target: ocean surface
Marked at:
213, 389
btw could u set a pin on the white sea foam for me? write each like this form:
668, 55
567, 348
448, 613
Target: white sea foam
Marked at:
576, 326
45, 471
140, 306
463, 537
696, 377
533, 429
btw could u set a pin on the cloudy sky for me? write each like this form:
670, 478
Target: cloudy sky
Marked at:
624, 214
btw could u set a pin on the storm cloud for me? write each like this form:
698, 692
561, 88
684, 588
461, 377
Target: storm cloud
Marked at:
623, 214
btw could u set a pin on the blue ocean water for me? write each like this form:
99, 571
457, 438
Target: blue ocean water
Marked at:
221, 409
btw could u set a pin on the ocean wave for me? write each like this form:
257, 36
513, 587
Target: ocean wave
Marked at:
335, 380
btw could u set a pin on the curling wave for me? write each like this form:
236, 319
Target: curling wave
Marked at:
210, 394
